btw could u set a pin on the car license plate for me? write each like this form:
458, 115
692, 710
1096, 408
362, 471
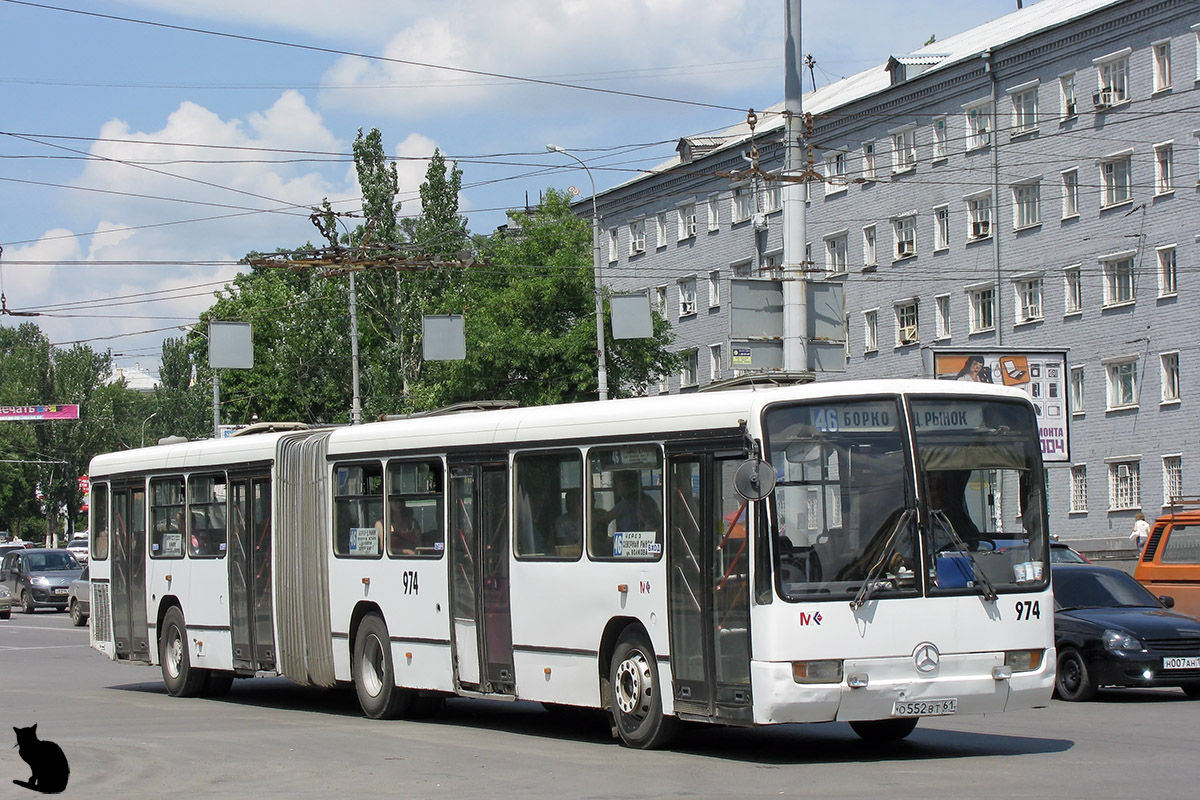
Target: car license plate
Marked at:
1181, 662
60, 591
925, 708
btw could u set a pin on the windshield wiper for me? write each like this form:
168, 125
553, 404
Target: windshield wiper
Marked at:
889, 547
983, 584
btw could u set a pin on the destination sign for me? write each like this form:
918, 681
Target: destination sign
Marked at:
875, 416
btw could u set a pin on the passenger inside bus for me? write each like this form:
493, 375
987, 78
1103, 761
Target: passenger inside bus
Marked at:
404, 536
568, 526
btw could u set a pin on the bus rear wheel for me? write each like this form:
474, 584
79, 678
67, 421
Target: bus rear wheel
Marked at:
884, 730
179, 676
374, 675
637, 695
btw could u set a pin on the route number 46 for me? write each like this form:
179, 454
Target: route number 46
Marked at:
1028, 609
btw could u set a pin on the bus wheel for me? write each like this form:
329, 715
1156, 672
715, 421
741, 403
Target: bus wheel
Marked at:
180, 677
374, 677
217, 683
1072, 681
884, 730
637, 702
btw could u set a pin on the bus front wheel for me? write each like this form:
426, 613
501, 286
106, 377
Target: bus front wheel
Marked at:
180, 677
637, 695
374, 676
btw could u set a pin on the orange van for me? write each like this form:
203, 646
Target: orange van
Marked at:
1170, 561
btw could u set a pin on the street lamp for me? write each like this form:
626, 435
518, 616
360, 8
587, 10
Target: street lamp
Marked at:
147, 419
602, 365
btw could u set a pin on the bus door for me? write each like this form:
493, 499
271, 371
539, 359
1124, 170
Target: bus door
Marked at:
250, 574
127, 538
708, 584
481, 634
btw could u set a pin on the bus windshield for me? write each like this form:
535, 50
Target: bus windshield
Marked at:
851, 523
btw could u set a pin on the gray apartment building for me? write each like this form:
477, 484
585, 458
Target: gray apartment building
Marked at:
1027, 190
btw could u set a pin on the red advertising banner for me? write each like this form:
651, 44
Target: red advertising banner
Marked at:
38, 413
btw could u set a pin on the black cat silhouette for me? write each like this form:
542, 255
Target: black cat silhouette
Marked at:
46, 759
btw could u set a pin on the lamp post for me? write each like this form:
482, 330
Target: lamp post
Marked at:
147, 419
602, 365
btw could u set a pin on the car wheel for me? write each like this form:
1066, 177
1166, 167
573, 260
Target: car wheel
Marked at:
1192, 690
1073, 682
27, 602
78, 618
6, 614
637, 696
180, 677
374, 676
884, 730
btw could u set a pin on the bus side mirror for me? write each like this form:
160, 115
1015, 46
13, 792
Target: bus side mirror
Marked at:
754, 479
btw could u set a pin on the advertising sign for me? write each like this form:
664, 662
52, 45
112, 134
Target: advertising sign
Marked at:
1041, 375
38, 413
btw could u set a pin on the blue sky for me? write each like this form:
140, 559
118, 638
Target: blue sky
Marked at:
137, 161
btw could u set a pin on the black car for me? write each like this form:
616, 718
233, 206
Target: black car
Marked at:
39, 578
1110, 631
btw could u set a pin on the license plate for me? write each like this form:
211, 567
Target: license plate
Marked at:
1181, 662
925, 708
60, 591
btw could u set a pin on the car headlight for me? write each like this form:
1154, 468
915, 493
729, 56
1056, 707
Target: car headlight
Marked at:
39, 581
1120, 640
4, 592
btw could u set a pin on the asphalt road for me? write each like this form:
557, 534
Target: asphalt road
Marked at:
124, 736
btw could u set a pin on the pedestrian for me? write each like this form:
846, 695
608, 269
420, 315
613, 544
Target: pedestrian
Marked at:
1141, 531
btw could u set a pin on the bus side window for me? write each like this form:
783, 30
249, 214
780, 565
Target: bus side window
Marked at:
549, 505
358, 510
626, 510
414, 523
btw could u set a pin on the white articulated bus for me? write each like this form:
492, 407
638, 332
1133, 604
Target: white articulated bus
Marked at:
865, 551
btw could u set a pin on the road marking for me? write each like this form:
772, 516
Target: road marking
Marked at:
44, 647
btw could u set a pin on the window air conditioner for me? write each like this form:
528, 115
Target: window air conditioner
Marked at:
1122, 470
759, 220
979, 229
1102, 99
908, 336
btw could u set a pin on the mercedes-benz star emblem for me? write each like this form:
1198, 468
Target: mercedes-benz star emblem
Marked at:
926, 657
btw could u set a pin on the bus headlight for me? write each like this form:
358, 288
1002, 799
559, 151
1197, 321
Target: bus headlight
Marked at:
829, 671
1024, 660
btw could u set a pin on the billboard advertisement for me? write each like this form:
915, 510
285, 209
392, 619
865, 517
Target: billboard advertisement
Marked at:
38, 413
1041, 375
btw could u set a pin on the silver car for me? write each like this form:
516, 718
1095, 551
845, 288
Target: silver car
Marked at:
39, 578
79, 599
5, 602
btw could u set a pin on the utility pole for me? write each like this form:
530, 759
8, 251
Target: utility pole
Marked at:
795, 234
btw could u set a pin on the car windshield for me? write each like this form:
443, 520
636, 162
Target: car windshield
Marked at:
1093, 589
77, 543
1064, 555
47, 562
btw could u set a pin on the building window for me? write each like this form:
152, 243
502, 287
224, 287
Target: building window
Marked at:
1167, 276
939, 137
1070, 184
772, 265
687, 373
904, 232
1029, 299
906, 323
1162, 66
714, 288
869, 251
835, 173
983, 309
613, 251
1118, 281
1172, 479
1074, 290
835, 254
1027, 205
660, 229
941, 228
714, 207
1123, 485
687, 221
1114, 80
979, 125
660, 300
637, 237
868, 151
743, 203
1164, 170
1079, 488
687, 297
979, 216
714, 362
1025, 110
1077, 406
1122, 382
1066, 91
941, 309
1116, 180
1170, 377
870, 331
904, 150
740, 269
772, 197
